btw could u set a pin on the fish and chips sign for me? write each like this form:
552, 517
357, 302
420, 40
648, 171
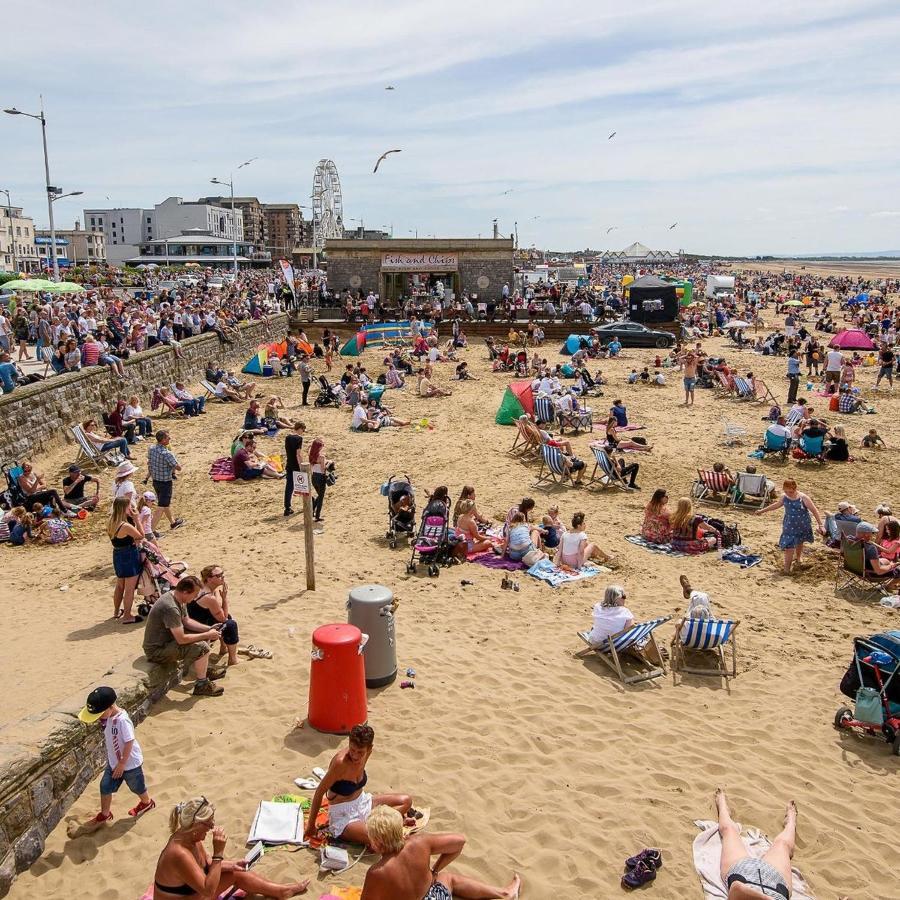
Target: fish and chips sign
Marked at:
419, 262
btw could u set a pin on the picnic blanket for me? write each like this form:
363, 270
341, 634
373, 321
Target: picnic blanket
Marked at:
490, 560
665, 549
708, 857
545, 570
222, 469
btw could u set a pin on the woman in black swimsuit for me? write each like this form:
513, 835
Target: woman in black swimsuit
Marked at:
185, 869
350, 805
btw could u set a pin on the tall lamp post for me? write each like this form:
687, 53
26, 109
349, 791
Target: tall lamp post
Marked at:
12, 238
53, 193
230, 184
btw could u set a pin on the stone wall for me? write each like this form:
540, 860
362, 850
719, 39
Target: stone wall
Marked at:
49, 758
366, 266
35, 417
496, 270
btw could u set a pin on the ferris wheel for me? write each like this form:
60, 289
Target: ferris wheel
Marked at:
328, 209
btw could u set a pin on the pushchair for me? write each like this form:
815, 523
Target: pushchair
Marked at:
401, 523
872, 681
433, 545
327, 394
12, 495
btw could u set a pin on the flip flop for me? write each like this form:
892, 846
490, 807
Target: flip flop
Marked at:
306, 784
421, 823
319, 772
255, 652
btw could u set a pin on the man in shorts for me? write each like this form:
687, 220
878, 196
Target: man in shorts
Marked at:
172, 636
689, 364
163, 464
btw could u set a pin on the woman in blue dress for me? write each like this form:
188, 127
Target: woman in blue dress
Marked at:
796, 529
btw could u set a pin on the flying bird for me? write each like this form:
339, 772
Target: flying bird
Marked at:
506, 193
382, 157
612, 135
613, 228
672, 226
390, 87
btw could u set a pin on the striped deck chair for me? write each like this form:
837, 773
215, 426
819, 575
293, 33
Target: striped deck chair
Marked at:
751, 490
712, 487
554, 468
605, 473
733, 433
793, 418
743, 389
724, 386
704, 637
524, 442
544, 410
761, 392
650, 664
89, 454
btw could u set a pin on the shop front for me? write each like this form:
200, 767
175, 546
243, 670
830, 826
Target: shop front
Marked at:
411, 274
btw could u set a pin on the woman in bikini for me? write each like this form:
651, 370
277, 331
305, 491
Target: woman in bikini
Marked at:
350, 805
467, 526
185, 869
748, 878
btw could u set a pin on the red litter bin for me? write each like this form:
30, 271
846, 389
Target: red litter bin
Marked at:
337, 679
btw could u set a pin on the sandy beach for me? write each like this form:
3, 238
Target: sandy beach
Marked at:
549, 765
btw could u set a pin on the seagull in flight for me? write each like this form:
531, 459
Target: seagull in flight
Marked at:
612, 135
506, 193
382, 157
672, 226
613, 228
390, 87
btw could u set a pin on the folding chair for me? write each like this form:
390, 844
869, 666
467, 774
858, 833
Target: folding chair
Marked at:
712, 487
733, 433
761, 392
773, 443
852, 569
13, 492
210, 391
606, 473
793, 418
704, 637
724, 386
47, 355
554, 468
88, 453
812, 449
743, 389
751, 490
611, 650
577, 420
524, 439
544, 410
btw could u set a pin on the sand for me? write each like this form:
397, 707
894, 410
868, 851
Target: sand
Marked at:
547, 764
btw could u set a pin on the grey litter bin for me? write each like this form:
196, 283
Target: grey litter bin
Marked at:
370, 607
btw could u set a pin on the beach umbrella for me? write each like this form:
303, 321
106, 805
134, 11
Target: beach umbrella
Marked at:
64, 287
852, 339
794, 303
28, 284
737, 323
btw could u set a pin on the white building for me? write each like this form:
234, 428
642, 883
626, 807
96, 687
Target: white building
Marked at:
125, 229
17, 250
193, 246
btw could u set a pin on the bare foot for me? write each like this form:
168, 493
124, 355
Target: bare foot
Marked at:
722, 803
511, 891
685, 586
233, 662
790, 815
299, 887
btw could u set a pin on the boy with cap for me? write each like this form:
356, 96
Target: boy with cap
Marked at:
124, 759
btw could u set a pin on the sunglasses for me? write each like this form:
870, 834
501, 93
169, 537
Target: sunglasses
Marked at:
197, 812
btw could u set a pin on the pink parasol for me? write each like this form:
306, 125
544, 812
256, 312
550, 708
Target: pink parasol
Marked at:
852, 339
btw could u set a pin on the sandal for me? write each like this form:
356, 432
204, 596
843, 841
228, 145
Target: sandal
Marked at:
255, 652
651, 856
141, 808
133, 621
99, 819
637, 877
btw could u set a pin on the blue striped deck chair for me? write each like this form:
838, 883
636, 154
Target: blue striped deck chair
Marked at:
812, 448
554, 468
650, 663
704, 638
605, 472
544, 410
793, 418
743, 389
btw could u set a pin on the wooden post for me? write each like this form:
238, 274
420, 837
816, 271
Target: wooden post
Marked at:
308, 543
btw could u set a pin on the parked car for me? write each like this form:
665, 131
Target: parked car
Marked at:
633, 334
216, 282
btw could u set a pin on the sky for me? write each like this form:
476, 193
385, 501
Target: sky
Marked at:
764, 127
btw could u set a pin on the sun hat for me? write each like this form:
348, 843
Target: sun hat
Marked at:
845, 505
125, 469
865, 528
149, 495
98, 702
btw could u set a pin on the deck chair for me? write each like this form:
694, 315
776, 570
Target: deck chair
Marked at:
47, 354
733, 433
851, 570
611, 650
524, 441
812, 449
751, 490
793, 418
724, 387
544, 410
712, 487
704, 638
743, 390
210, 391
606, 473
775, 444
90, 455
166, 403
761, 392
554, 469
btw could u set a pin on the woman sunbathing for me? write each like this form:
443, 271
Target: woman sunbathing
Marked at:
745, 876
467, 526
405, 872
271, 418
349, 805
185, 869
520, 541
575, 549
468, 493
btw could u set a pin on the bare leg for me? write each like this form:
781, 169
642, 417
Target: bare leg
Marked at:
128, 586
117, 596
788, 560
357, 831
685, 586
733, 849
798, 554
781, 852
469, 889
254, 884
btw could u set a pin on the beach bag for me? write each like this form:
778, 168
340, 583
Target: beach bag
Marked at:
868, 706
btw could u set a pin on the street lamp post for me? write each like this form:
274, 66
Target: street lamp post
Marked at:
12, 237
51, 191
230, 183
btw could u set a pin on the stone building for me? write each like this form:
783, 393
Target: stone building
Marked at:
84, 247
478, 267
18, 252
254, 219
284, 228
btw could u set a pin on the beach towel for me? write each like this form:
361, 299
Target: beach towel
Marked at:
665, 549
545, 570
222, 469
490, 560
708, 857
232, 894
345, 893
744, 560
277, 823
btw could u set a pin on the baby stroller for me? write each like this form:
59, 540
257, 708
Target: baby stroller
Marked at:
872, 682
521, 363
433, 545
403, 522
327, 395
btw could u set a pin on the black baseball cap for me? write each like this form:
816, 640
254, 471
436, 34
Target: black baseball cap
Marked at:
98, 702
